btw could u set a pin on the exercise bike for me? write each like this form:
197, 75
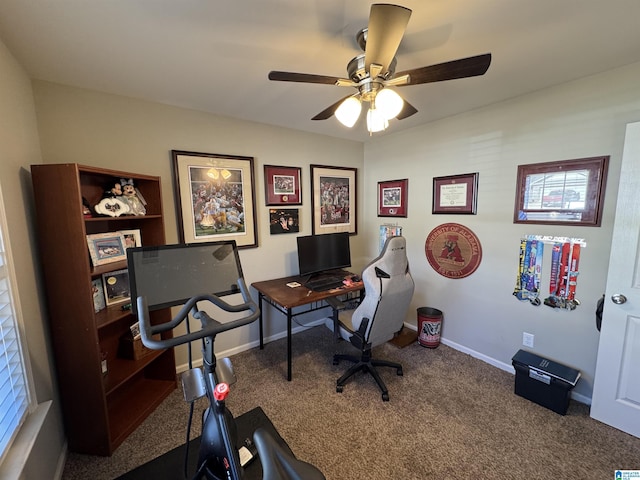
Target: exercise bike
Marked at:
219, 456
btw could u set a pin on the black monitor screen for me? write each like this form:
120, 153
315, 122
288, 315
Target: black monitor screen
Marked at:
170, 275
319, 253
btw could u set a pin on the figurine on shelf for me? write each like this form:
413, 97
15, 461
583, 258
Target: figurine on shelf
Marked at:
86, 210
113, 202
133, 197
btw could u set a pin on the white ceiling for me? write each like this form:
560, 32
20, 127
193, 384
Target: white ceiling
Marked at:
214, 55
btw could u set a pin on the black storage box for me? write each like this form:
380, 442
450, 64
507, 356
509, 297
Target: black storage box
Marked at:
544, 381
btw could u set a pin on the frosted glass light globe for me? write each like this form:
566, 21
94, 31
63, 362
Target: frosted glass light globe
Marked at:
376, 122
389, 103
349, 111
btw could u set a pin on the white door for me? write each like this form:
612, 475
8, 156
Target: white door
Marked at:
616, 390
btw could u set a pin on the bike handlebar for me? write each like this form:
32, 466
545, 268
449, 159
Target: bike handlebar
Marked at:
210, 327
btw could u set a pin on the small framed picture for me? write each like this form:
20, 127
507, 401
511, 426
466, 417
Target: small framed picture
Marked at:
106, 248
132, 238
98, 295
135, 330
116, 286
392, 198
282, 185
283, 220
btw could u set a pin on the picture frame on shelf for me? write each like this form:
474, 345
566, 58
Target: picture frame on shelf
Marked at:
105, 248
282, 185
97, 290
333, 199
392, 198
215, 198
566, 192
132, 238
455, 194
116, 287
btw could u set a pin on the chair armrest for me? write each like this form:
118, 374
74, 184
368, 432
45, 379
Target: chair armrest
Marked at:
335, 303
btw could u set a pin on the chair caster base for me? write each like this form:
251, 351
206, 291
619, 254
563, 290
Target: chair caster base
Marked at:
399, 372
385, 397
339, 388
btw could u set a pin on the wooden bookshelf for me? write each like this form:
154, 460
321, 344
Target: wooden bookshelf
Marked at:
100, 410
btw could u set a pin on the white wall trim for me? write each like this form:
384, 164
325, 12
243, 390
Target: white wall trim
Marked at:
456, 346
496, 363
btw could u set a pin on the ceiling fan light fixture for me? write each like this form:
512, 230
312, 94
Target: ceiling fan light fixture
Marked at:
389, 103
376, 122
349, 111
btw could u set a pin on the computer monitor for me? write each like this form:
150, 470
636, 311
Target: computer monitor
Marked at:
169, 275
321, 253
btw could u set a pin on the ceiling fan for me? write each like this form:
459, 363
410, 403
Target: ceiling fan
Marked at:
372, 72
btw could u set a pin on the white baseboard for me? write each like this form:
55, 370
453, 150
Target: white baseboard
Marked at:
456, 346
496, 363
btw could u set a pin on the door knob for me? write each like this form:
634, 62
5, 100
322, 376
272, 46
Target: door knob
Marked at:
618, 298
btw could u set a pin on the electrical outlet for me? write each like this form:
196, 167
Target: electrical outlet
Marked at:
527, 339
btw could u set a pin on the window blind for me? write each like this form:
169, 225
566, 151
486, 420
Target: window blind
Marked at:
14, 393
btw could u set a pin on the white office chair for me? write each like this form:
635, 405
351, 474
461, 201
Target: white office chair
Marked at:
388, 290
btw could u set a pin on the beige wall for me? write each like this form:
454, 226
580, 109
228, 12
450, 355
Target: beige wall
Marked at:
132, 135
580, 119
19, 148
585, 118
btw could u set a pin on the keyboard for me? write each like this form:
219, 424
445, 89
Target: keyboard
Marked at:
325, 283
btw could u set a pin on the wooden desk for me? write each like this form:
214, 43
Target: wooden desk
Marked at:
284, 299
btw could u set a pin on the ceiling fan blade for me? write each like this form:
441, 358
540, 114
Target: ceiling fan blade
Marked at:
407, 111
387, 24
329, 111
462, 68
303, 78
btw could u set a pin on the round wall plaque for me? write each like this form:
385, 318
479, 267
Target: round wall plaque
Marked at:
453, 250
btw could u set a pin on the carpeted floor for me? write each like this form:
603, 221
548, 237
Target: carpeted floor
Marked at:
450, 417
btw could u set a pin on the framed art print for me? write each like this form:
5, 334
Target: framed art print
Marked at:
455, 194
333, 199
392, 198
282, 185
215, 198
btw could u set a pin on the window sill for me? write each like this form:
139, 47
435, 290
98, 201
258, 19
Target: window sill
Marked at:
16, 459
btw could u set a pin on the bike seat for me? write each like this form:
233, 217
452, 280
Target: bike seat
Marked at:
279, 464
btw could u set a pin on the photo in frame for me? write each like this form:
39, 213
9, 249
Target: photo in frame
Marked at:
283, 220
215, 198
106, 248
569, 192
282, 185
97, 290
333, 199
132, 238
116, 286
455, 194
392, 198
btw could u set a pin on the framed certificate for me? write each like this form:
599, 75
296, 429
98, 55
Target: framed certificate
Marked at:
455, 194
